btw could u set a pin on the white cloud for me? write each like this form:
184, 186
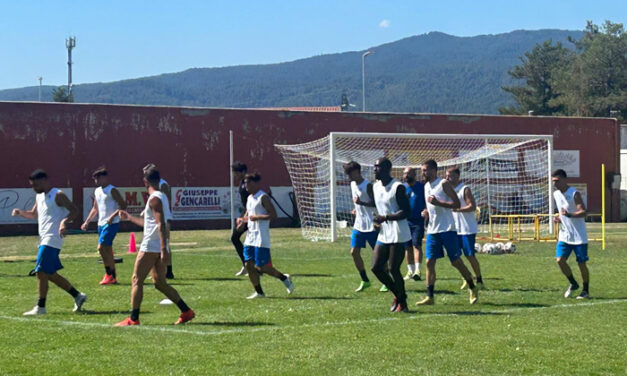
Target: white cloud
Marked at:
384, 23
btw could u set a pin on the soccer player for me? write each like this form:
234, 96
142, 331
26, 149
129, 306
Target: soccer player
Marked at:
416, 194
441, 200
165, 188
363, 228
107, 201
53, 211
259, 213
465, 222
392, 212
572, 232
153, 251
239, 170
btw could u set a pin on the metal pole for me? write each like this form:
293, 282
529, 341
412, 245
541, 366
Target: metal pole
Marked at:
40, 78
332, 192
603, 206
549, 144
231, 180
363, 79
487, 177
70, 43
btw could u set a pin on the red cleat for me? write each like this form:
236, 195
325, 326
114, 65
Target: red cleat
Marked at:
185, 317
108, 280
127, 322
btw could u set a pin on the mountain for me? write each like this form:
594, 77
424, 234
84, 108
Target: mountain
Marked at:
433, 72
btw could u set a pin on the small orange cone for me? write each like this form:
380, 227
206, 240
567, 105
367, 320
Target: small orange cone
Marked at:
132, 248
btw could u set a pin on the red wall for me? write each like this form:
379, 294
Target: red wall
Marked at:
191, 145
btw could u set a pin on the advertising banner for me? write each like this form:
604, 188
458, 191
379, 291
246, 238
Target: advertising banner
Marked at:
20, 198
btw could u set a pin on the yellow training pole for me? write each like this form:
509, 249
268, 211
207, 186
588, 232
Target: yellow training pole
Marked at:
603, 206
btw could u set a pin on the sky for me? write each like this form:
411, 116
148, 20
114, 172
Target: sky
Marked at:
118, 40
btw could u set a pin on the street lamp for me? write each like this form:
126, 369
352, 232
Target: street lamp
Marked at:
363, 79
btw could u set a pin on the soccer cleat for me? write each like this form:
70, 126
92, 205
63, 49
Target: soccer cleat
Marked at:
169, 275
364, 285
583, 295
394, 306
569, 290
402, 308
289, 285
417, 277
256, 295
426, 301
166, 301
464, 285
384, 288
36, 311
185, 317
127, 322
241, 272
473, 294
108, 280
408, 276
79, 301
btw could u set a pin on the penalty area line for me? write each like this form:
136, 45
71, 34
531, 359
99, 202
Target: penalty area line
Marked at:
162, 329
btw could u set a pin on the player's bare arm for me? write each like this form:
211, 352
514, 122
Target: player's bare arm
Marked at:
63, 201
92, 214
469, 202
267, 204
125, 216
27, 214
450, 192
117, 196
581, 208
157, 208
370, 194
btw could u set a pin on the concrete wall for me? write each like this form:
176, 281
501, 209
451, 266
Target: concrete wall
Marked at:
190, 145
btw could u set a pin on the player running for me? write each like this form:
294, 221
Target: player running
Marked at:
107, 201
363, 227
53, 211
153, 251
416, 194
239, 170
572, 232
259, 213
393, 209
441, 199
465, 222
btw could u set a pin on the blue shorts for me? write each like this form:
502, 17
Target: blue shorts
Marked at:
359, 239
107, 233
564, 249
467, 244
437, 242
48, 260
259, 254
417, 234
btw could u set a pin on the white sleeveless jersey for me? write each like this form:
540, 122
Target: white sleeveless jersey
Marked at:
49, 217
258, 231
440, 219
363, 214
106, 204
572, 230
465, 222
385, 200
151, 241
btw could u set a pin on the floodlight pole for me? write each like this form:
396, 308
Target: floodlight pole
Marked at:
363, 79
40, 79
70, 43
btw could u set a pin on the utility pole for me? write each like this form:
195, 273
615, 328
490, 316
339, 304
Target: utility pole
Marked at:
363, 79
70, 43
40, 78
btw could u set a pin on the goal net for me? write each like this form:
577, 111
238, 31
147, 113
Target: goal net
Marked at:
509, 175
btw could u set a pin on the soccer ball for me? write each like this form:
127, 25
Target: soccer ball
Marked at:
488, 248
478, 248
509, 247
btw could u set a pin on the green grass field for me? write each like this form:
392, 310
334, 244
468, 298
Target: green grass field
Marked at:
521, 325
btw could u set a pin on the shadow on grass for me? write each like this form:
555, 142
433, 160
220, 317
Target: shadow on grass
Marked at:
524, 289
311, 275
310, 297
172, 283
15, 275
475, 313
230, 323
518, 305
112, 312
15, 261
218, 279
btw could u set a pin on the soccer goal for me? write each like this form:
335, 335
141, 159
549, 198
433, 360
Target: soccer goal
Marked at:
510, 175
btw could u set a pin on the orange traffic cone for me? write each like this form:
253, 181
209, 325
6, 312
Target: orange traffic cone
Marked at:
132, 248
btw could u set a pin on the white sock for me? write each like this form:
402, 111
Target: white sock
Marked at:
410, 268
417, 267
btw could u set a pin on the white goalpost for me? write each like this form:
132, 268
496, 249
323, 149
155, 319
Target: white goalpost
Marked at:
510, 175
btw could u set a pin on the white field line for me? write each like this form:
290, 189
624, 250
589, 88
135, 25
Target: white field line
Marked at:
313, 325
